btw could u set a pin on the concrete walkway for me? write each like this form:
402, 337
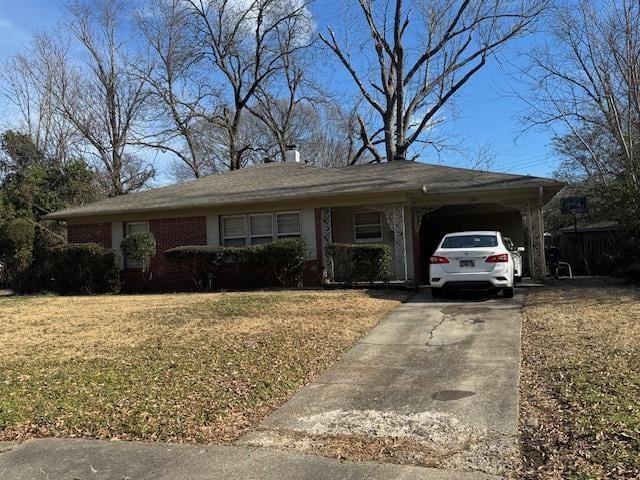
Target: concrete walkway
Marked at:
435, 383
57, 459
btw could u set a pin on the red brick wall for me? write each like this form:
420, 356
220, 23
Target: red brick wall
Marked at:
312, 273
90, 233
169, 233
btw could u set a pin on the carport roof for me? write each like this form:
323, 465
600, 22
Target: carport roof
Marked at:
290, 181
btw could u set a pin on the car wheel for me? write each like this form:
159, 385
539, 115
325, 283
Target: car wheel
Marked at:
436, 292
508, 292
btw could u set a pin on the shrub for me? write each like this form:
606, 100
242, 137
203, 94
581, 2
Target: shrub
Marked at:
283, 260
36, 277
628, 264
360, 262
139, 247
204, 261
17, 238
82, 268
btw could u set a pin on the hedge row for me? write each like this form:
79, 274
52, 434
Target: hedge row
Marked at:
71, 269
282, 260
360, 262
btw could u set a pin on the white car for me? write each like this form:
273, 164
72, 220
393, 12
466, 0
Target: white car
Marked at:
470, 260
516, 254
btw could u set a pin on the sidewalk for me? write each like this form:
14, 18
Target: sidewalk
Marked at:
58, 459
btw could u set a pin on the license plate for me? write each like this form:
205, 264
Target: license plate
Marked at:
467, 263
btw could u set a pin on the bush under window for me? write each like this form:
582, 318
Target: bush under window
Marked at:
280, 262
361, 262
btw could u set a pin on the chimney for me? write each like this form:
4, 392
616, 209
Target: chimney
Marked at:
292, 154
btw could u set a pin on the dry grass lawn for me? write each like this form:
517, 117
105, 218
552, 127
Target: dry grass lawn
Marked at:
182, 367
580, 383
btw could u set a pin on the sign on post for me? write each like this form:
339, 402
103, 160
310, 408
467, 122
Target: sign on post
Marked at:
573, 205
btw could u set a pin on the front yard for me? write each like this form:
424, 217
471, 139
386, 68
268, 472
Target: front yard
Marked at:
580, 382
180, 367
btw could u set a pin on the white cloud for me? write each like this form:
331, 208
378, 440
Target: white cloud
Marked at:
4, 23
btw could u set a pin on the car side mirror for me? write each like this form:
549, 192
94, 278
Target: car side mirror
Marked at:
520, 249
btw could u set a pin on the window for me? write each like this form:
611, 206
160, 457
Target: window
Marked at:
234, 231
130, 228
470, 241
367, 226
288, 225
257, 228
261, 228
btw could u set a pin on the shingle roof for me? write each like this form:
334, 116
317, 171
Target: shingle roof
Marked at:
281, 181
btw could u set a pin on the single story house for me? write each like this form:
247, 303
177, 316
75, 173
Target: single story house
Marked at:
405, 204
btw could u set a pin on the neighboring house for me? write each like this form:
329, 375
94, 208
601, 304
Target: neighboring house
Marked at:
406, 205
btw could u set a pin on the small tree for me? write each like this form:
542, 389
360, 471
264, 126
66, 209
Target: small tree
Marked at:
139, 247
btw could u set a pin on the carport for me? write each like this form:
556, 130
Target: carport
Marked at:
516, 212
455, 218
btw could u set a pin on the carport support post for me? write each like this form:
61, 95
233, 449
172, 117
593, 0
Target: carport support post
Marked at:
399, 242
327, 238
534, 222
541, 264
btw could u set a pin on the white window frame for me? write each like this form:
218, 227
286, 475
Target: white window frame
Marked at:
128, 224
250, 234
224, 236
277, 234
379, 224
127, 264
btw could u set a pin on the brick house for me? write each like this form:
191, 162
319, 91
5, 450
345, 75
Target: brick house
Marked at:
406, 205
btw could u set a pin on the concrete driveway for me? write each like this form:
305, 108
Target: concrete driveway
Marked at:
434, 384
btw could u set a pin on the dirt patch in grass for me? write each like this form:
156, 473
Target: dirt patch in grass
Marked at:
183, 367
580, 382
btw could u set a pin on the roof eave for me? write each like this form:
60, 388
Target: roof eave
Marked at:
552, 184
79, 214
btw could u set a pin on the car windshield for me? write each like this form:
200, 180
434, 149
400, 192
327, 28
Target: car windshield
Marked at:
470, 241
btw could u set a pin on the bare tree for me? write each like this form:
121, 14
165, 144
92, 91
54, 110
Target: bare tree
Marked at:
174, 80
411, 70
27, 84
284, 102
587, 79
278, 112
333, 136
103, 99
244, 43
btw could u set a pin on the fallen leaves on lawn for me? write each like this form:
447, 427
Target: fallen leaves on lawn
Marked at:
580, 383
178, 368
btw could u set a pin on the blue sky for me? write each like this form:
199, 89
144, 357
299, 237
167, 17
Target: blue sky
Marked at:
487, 113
